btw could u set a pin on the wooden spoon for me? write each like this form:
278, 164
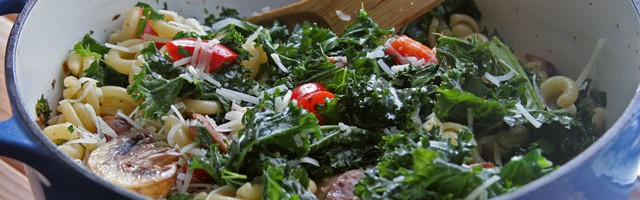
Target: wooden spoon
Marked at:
336, 14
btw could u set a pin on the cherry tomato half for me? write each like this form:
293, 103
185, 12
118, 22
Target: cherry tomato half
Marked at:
306, 89
484, 165
408, 47
309, 102
219, 53
199, 175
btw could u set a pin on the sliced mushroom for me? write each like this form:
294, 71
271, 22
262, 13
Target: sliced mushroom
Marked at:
133, 162
118, 124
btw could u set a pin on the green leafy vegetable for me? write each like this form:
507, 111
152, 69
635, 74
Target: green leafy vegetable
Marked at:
90, 47
43, 111
148, 13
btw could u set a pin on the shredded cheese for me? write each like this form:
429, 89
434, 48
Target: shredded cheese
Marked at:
491, 79
506, 77
119, 48
309, 160
399, 68
385, 67
183, 61
276, 59
238, 95
226, 22
196, 52
343, 16
528, 115
592, 61
482, 187
178, 114
133, 123
155, 38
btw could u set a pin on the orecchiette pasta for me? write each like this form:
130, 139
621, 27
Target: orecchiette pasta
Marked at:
480, 37
463, 25
561, 90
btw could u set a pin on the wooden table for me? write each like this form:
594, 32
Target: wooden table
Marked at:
13, 183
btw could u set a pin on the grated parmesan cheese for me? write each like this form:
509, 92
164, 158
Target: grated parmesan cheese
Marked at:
399, 68
592, 61
155, 38
276, 59
178, 114
183, 61
226, 22
234, 95
119, 48
343, 16
309, 160
491, 79
528, 115
506, 77
482, 187
133, 123
385, 67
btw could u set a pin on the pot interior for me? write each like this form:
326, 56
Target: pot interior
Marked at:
563, 32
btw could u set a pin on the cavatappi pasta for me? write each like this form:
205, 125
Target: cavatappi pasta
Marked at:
215, 111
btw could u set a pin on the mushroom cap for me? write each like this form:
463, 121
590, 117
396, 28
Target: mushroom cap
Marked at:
133, 162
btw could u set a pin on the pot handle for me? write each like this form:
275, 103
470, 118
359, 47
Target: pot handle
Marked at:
51, 177
11, 6
54, 178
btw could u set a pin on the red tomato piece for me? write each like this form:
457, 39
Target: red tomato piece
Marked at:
310, 100
484, 165
306, 89
218, 53
408, 47
199, 175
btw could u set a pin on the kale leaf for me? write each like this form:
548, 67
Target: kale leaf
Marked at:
285, 182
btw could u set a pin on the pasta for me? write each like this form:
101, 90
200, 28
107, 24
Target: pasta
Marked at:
124, 61
560, 90
202, 106
174, 23
463, 25
60, 133
78, 64
129, 26
116, 98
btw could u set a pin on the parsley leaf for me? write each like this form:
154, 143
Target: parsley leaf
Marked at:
148, 13
43, 111
90, 47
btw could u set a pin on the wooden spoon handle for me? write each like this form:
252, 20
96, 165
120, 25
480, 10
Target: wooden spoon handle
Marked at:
387, 13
